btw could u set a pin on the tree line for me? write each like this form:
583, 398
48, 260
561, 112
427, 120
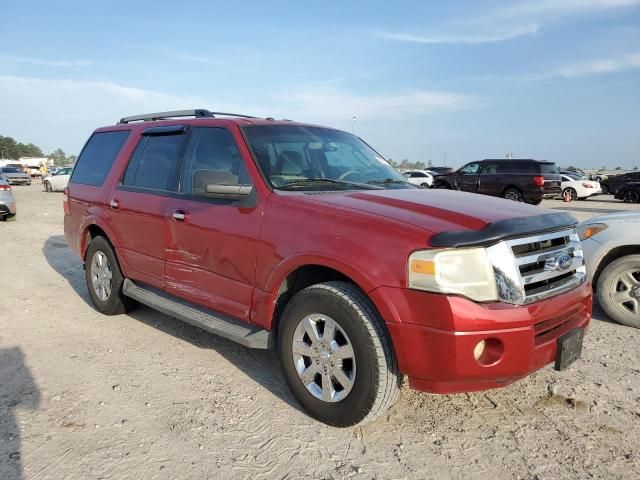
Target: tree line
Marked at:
10, 149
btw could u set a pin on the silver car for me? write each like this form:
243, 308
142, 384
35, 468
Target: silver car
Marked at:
15, 176
611, 246
7, 201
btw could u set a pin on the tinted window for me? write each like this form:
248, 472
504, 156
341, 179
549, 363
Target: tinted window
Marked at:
212, 158
489, 168
154, 164
548, 168
11, 170
97, 157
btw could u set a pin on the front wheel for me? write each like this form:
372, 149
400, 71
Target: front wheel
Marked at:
619, 290
513, 194
336, 355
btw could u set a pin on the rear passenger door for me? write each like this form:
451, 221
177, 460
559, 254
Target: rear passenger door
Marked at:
211, 243
137, 206
491, 179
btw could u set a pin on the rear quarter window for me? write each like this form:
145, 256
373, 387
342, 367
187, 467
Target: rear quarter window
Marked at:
549, 168
98, 156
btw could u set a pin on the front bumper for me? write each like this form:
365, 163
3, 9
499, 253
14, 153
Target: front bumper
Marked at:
434, 336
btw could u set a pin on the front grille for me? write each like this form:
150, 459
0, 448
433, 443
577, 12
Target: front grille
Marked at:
532, 268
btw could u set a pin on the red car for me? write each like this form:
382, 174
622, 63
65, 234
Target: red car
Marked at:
278, 234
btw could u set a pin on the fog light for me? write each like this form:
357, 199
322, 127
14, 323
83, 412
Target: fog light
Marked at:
479, 349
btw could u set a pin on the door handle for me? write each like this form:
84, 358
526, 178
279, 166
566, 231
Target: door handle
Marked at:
114, 204
179, 215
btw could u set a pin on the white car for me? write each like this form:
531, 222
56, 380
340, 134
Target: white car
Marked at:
419, 178
578, 188
57, 181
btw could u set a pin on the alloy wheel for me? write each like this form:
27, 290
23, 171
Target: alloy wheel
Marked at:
101, 276
324, 358
625, 291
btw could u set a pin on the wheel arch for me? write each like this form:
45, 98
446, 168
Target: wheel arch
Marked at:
511, 187
304, 272
612, 255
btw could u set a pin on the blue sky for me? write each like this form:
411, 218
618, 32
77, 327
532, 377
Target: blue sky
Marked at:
552, 79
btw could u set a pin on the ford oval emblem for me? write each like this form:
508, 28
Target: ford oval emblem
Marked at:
563, 262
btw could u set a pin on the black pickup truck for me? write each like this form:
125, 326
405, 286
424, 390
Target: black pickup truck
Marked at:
521, 180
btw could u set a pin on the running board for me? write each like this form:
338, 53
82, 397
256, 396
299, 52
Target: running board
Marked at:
218, 324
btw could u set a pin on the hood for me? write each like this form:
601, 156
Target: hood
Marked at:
434, 210
614, 218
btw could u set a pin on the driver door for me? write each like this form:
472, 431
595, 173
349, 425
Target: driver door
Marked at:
467, 177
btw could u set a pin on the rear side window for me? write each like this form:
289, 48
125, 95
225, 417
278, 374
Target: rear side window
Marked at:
548, 168
155, 163
98, 156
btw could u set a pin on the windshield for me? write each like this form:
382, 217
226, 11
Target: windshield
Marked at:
316, 158
10, 170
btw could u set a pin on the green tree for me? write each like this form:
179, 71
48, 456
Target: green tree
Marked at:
618, 168
58, 156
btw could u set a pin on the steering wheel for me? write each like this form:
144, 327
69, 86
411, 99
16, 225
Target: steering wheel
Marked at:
347, 173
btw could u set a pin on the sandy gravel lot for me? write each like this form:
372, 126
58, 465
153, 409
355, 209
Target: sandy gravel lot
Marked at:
84, 396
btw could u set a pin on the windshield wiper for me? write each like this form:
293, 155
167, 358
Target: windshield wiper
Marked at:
387, 181
311, 181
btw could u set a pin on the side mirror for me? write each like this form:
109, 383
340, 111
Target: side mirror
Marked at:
232, 192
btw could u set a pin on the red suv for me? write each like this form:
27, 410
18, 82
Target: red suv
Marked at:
278, 234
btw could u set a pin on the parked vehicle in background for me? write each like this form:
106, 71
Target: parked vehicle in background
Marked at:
7, 201
612, 184
419, 178
57, 182
611, 246
629, 193
278, 234
34, 171
577, 188
440, 170
15, 176
521, 180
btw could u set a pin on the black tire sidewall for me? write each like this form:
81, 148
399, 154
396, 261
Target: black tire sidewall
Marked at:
604, 284
360, 400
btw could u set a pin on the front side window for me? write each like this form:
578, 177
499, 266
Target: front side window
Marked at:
155, 163
470, 169
97, 157
316, 158
212, 158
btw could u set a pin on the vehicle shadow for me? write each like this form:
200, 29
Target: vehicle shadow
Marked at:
261, 366
60, 257
17, 390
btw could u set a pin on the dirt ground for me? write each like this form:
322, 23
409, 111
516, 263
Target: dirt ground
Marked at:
84, 396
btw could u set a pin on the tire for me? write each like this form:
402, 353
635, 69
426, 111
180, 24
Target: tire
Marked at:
605, 189
372, 378
424, 185
111, 300
619, 290
47, 187
536, 202
443, 186
513, 194
573, 195
630, 196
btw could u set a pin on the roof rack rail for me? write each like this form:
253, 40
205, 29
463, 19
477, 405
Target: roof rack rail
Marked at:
197, 113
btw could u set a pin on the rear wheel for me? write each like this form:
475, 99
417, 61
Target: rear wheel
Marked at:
104, 279
424, 185
630, 196
336, 354
573, 195
619, 290
513, 194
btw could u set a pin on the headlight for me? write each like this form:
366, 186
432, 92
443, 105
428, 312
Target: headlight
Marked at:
465, 271
588, 231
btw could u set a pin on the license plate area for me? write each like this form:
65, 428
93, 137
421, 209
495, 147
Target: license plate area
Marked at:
569, 348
